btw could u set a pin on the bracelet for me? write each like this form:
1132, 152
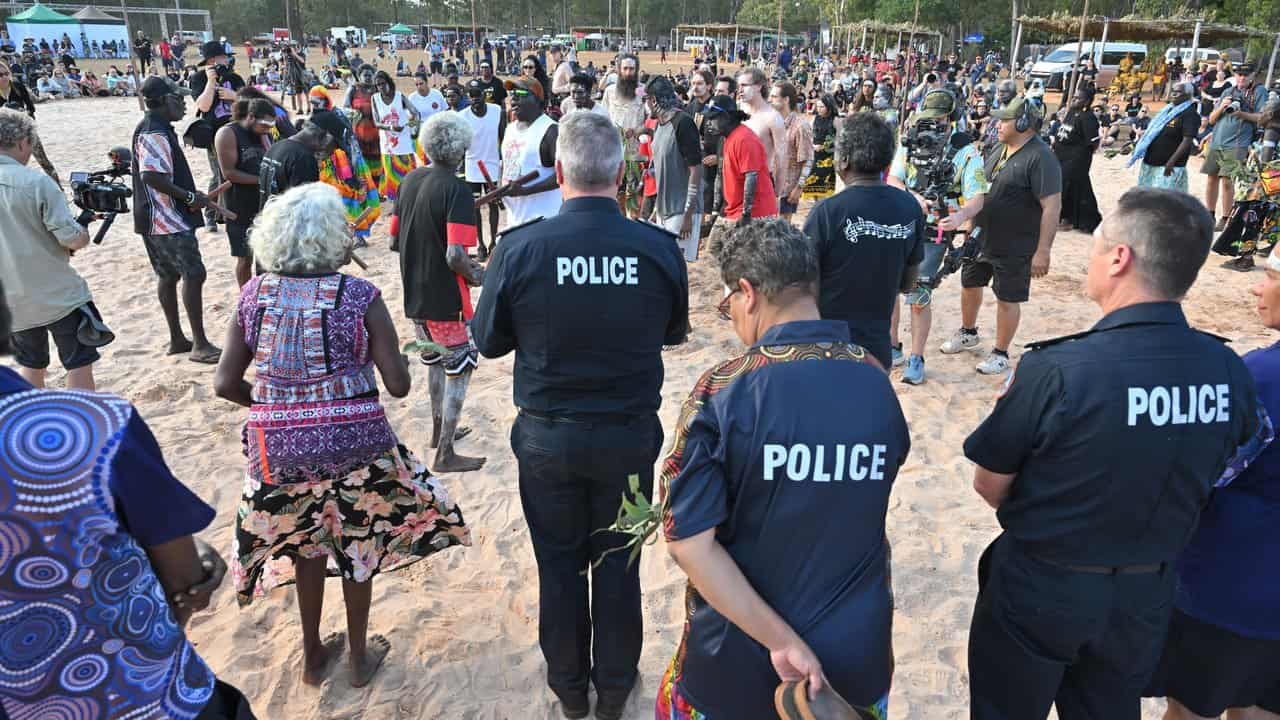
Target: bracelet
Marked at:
191, 198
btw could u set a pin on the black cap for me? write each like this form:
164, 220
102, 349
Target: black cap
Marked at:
158, 86
719, 104
329, 121
475, 88
1245, 68
210, 50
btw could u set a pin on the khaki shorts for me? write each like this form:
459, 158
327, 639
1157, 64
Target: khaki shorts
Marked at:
1213, 158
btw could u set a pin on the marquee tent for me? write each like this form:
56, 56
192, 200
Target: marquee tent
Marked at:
99, 26
40, 23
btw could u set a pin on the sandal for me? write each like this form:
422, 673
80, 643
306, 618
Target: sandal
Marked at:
792, 702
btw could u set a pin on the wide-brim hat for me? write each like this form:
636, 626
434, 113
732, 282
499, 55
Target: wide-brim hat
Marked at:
211, 50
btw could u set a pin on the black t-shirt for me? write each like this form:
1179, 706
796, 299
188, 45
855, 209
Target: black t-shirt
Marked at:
1010, 217
220, 110
494, 92
244, 200
1133, 107
1186, 125
436, 209
867, 236
287, 164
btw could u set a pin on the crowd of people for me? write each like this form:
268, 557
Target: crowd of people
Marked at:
1119, 574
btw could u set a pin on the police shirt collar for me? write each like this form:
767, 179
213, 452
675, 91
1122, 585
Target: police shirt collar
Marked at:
805, 331
1159, 313
590, 203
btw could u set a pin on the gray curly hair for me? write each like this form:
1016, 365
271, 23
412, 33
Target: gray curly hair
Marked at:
15, 127
302, 230
445, 139
771, 254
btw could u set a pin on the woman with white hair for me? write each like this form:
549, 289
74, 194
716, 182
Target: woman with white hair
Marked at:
433, 225
329, 489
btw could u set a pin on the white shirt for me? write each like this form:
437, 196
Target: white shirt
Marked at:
427, 105
394, 113
484, 143
520, 156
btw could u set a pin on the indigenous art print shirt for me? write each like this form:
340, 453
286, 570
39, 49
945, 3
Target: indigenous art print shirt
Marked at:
85, 627
789, 453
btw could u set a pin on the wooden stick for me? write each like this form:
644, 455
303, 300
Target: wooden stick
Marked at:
224, 212
505, 189
356, 259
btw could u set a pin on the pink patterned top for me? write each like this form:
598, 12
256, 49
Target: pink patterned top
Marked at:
316, 413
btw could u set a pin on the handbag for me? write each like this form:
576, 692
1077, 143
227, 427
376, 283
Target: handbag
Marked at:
1270, 179
199, 134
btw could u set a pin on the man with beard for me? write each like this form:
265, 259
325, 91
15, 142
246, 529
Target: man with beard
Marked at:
1077, 139
580, 88
488, 126
764, 121
626, 110
214, 89
677, 166
494, 92
529, 146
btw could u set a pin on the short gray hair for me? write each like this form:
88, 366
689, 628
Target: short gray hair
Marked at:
589, 150
15, 127
1169, 233
445, 138
303, 230
771, 254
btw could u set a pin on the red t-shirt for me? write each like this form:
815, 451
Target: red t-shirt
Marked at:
646, 151
743, 152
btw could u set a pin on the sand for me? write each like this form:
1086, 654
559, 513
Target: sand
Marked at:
463, 624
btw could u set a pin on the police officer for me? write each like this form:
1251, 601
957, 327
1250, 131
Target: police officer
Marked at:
586, 299
1098, 459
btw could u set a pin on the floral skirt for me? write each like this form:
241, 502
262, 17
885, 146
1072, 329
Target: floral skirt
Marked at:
1153, 176
382, 517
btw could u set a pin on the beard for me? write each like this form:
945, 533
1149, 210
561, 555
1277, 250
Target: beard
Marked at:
627, 86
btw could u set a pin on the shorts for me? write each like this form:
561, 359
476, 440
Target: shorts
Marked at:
238, 237
1009, 277
31, 346
175, 256
688, 247
786, 207
1209, 668
1213, 158
460, 353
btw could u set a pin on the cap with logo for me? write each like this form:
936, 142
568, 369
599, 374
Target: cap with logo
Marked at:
475, 88
156, 87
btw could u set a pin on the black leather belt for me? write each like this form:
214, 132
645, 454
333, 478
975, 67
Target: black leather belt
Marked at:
1148, 569
593, 419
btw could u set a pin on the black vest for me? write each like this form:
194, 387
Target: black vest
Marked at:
142, 209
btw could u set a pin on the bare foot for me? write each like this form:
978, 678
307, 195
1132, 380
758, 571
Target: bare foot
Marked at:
461, 432
362, 669
177, 347
317, 668
452, 462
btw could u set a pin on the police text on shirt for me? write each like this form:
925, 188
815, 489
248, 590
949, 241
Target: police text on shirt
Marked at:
854, 462
597, 270
1178, 405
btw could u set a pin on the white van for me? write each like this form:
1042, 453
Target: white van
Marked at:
1209, 55
694, 41
1054, 69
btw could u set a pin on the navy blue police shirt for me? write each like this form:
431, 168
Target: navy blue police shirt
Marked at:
867, 238
1116, 436
789, 453
586, 299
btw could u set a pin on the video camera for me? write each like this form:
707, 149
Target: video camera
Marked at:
103, 193
931, 149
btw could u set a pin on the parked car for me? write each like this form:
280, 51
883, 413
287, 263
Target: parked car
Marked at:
1054, 70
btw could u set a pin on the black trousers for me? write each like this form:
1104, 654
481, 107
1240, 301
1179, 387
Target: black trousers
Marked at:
1044, 635
572, 477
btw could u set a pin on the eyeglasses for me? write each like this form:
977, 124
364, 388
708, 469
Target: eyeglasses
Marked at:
723, 307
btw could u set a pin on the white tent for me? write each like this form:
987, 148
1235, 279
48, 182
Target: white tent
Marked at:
99, 26
41, 23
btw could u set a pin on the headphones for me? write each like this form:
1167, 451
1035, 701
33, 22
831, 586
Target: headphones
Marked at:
1025, 118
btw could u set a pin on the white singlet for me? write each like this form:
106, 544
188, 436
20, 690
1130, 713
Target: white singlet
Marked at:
484, 143
520, 156
394, 113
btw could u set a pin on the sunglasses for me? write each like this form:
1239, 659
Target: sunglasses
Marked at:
520, 93
722, 308
529, 67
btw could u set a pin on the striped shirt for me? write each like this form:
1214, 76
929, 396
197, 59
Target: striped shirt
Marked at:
153, 155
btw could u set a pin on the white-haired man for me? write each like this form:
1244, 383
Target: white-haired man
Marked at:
586, 300
434, 223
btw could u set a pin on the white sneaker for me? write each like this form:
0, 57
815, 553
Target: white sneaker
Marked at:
993, 364
959, 342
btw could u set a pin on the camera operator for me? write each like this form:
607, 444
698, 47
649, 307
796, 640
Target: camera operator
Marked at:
47, 296
1235, 121
1018, 222
15, 96
964, 196
215, 90
166, 212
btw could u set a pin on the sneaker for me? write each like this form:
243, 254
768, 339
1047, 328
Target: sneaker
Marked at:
898, 357
914, 372
959, 342
1244, 263
994, 364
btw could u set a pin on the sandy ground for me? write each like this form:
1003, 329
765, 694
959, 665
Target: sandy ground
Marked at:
463, 624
